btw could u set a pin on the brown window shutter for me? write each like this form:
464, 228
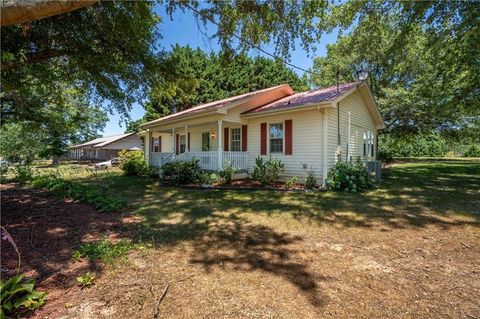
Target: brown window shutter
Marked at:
152, 143
244, 138
188, 142
263, 139
225, 139
288, 137
177, 144
159, 143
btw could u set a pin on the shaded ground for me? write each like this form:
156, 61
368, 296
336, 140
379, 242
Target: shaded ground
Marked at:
407, 250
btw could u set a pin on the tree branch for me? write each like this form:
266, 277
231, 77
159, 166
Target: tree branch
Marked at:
36, 57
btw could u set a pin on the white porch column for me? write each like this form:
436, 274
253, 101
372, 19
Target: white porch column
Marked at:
349, 136
174, 145
220, 150
325, 147
148, 143
187, 144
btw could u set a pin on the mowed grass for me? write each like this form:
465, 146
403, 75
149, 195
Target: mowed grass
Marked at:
410, 195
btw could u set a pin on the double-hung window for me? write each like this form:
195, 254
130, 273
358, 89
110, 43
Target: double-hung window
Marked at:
276, 138
156, 144
235, 140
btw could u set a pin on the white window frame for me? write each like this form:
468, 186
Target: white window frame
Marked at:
269, 124
230, 139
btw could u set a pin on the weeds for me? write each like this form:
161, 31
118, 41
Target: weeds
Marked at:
103, 250
86, 280
89, 194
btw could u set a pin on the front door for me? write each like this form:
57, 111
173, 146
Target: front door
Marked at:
205, 141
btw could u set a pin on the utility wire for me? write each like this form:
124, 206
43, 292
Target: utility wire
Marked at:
253, 45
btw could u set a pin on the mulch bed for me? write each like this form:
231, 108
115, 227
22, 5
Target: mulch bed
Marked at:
250, 185
47, 230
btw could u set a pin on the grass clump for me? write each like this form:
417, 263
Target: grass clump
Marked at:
103, 250
89, 194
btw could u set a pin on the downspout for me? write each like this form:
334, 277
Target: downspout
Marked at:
339, 141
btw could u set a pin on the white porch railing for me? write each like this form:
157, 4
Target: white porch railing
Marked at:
207, 160
239, 160
158, 159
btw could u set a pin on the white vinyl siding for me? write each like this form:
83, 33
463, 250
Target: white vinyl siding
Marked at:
361, 121
306, 141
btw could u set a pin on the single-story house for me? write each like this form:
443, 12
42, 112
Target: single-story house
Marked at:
105, 148
307, 130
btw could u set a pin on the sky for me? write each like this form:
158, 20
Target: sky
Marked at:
183, 29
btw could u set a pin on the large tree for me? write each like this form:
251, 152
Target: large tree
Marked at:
425, 76
201, 77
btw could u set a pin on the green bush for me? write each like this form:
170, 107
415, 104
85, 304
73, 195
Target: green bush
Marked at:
472, 151
90, 194
23, 173
207, 178
227, 173
291, 182
103, 250
267, 171
349, 177
182, 172
17, 296
311, 180
133, 163
429, 145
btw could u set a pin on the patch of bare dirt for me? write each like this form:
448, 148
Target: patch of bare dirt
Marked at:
242, 267
47, 231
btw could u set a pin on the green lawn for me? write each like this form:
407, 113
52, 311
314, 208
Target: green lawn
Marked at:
413, 194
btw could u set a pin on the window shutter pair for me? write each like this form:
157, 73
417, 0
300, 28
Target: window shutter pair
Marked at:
287, 136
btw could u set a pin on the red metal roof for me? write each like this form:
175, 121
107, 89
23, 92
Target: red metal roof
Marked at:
215, 104
303, 98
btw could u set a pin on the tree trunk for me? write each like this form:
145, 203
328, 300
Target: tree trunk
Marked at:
56, 160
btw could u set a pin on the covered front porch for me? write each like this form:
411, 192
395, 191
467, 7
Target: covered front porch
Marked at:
214, 144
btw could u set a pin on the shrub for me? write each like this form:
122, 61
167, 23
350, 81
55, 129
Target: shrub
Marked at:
311, 179
182, 172
17, 295
267, 171
472, 151
291, 182
227, 173
426, 145
23, 173
90, 194
207, 178
133, 163
103, 250
349, 177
